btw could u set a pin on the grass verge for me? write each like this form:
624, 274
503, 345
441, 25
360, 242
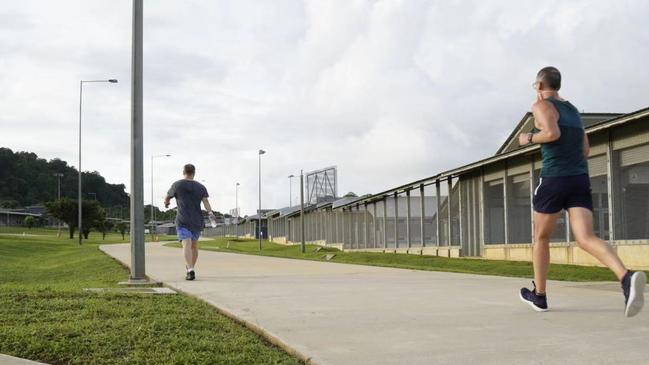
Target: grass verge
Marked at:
46, 316
415, 262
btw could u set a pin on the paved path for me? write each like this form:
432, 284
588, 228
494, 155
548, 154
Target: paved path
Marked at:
10, 360
351, 314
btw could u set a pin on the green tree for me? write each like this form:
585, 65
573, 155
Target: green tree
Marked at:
67, 211
104, 226
29, 221
122, 228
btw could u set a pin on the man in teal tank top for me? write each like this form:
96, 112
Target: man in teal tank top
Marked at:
564, 184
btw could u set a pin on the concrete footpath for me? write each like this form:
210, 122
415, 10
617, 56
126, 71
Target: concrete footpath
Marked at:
352, 314
10, 360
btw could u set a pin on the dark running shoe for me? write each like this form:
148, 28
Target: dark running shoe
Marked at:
538, 302
633, 284
190, 275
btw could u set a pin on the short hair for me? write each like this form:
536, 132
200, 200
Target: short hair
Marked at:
189, 169
550, 76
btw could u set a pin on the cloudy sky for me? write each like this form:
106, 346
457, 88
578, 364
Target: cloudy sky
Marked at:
389, 91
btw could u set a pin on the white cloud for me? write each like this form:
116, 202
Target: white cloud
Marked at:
389, 91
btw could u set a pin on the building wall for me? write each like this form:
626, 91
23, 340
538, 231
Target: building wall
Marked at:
487, 212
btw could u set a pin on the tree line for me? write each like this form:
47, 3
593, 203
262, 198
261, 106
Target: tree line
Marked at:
26, 179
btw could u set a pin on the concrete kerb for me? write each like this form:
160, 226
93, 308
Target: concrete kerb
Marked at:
267, 335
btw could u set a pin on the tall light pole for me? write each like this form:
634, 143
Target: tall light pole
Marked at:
152, 202
236, 201
59, 175
138, 275
302, 234
290, 190
112, 81
261, 152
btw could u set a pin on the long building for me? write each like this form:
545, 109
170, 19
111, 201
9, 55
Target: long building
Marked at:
484, 209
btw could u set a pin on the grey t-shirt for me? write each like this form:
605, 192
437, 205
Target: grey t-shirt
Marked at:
188, 194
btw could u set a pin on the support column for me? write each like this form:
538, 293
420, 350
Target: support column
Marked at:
342, 225
396, 220
459, 212
610, 181
385, 220
408, 238
367, 228
423, 212
374, 226
449, 204
506, 206
439, 211
532, 182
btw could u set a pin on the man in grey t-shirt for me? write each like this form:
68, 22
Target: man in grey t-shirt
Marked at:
189, 219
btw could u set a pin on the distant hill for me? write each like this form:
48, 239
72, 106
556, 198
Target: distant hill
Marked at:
27, 180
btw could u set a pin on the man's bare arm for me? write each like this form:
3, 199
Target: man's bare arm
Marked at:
586, 146
167, 200
547, 121
206, 204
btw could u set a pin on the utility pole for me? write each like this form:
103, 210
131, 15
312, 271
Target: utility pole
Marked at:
261, 152
302, 211
138, 275
236, 201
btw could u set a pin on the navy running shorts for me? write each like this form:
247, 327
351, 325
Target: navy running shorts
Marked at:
555, 193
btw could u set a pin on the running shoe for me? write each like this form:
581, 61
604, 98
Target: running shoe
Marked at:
633, 284
538, 302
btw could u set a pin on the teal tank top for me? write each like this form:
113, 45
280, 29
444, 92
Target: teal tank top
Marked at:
565, 156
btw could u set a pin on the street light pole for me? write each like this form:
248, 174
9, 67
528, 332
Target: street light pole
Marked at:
302, 240
138, 275
236, 201
80, 196
261, 152
152, 207
58, 194
290, 190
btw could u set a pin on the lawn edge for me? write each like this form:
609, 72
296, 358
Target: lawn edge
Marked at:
267, 335
531, 276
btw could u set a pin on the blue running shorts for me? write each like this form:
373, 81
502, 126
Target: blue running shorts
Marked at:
184, 233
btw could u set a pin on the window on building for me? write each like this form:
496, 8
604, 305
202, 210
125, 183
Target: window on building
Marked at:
631, 199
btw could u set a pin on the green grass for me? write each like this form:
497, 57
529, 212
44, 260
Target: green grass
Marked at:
415, 262
45, 315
